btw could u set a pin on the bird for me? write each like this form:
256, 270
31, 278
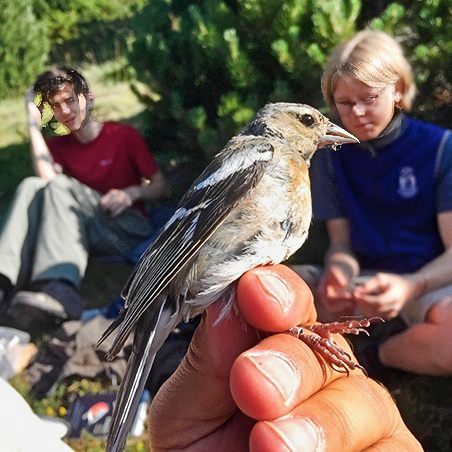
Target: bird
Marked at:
251, 206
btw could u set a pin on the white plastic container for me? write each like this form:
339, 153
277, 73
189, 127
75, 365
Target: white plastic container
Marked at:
142, 414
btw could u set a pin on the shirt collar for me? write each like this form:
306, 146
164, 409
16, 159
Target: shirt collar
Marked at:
394, 130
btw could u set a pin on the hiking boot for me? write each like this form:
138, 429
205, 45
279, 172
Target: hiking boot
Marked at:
54, 304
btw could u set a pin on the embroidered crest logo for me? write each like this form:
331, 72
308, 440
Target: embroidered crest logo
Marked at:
407, 182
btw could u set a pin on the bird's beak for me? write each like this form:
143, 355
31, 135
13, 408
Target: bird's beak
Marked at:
336, 136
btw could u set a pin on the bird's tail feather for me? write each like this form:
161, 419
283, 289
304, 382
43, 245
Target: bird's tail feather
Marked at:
112, 327
147, 341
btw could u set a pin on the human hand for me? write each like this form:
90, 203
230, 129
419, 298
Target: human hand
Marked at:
234, 391
385, 294
334, 292
114, 202
33, 113
29, 95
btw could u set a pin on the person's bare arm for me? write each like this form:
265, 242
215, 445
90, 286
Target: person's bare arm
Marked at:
437, 272
340, 252
341, 267
152, 189
42, 160
116, 201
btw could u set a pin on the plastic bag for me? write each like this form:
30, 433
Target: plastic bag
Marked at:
13, 350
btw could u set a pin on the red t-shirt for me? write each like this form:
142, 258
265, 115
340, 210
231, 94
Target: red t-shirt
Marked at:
118, 158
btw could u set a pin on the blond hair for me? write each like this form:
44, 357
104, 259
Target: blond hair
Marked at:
374, 58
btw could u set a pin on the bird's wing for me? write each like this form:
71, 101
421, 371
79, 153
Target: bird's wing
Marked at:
231, 175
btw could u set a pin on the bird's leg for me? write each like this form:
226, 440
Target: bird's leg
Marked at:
323, 344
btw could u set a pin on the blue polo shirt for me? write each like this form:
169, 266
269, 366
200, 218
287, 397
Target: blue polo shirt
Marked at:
391, 191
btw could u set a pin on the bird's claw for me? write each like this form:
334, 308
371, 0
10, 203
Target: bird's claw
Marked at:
350, 326
323, 344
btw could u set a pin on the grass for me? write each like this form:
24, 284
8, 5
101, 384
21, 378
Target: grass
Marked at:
426, 409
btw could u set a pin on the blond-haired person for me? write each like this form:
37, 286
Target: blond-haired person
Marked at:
387, 206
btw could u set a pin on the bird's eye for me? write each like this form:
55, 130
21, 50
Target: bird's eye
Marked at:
307, 120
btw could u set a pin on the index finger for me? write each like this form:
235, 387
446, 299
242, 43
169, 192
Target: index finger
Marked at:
272, 378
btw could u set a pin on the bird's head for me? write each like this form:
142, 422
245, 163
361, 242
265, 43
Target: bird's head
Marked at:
302, 126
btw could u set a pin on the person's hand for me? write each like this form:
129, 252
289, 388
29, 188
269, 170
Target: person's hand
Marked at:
29, 95
33, 113
114, 202
234, 391
385, 294
334, 292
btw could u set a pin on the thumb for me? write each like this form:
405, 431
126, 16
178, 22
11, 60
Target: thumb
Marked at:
205, 370
219, 341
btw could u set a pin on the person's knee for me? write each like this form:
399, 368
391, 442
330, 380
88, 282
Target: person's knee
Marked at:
31, 184
61, 181
443, 352
58, 189
441, 313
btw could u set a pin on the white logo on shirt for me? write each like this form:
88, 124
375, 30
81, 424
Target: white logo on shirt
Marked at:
106, 162
407, 182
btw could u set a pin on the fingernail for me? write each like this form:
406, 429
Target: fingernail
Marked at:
275, 288
298, 434
279, 371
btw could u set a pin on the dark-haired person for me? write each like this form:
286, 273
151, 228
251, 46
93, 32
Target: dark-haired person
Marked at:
86, 196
